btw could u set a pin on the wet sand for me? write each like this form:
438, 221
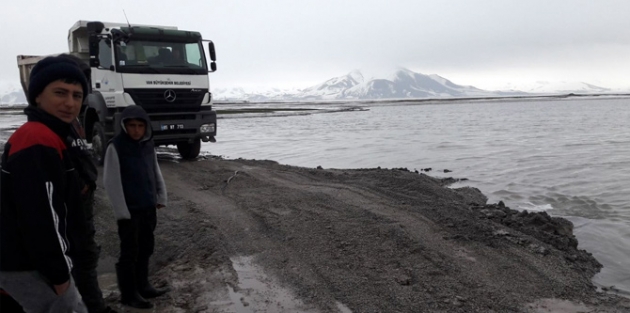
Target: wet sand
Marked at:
256, 236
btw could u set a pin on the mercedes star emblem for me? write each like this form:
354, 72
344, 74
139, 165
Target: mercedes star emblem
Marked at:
170, 95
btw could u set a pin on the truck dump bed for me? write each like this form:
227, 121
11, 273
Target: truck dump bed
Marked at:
25, 65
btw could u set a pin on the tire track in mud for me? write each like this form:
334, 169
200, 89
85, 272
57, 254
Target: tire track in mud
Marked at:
241, 285
359, 208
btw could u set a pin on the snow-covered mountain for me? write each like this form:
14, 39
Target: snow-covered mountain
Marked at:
334, 88
11, 98
400, 84
408, 84
11, 94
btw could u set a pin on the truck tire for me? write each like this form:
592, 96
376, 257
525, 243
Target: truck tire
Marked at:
189, 151
99, 143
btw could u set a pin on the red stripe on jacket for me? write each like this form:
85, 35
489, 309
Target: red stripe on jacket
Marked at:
35, 133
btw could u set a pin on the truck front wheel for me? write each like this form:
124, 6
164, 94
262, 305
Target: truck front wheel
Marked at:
99, 142
188, 150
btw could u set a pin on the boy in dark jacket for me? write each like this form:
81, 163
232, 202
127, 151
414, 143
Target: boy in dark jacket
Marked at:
85, 258
40, 217
136, 189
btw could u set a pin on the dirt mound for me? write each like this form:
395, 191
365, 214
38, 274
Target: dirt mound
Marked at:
553, 231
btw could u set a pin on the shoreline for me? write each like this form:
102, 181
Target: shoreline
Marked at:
4, 106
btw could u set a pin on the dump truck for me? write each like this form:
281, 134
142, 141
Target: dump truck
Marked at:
161, 68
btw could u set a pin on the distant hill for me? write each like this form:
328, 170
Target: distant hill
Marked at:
562, 87
400, 84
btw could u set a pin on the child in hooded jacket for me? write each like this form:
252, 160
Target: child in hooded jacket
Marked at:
136, 189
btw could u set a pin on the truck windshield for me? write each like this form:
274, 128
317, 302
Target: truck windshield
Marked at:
138, 56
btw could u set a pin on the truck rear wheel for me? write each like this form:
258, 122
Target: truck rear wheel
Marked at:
99, 142
189, 150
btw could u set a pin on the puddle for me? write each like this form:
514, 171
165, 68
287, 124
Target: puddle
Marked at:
239, 303
107, 276
557, 306
257, 292
108, 283
342, 308
127, 309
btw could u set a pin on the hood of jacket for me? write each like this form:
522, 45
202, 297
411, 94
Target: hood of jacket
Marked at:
138, 113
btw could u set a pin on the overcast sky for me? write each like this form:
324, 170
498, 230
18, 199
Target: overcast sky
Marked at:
485, 43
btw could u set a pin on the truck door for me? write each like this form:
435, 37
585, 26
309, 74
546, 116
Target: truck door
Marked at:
106, 80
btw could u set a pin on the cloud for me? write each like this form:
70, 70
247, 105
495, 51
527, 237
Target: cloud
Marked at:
301, 42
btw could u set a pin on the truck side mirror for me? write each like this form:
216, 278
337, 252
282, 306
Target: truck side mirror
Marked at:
94, 29
93, 47
213, 54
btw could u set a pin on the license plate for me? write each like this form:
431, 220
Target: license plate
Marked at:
171, 126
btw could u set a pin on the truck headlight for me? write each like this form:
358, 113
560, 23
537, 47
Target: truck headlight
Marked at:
206, 128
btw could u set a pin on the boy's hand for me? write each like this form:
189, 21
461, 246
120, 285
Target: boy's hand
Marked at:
159, 206
61, 289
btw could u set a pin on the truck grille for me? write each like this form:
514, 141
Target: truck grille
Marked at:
167, 98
